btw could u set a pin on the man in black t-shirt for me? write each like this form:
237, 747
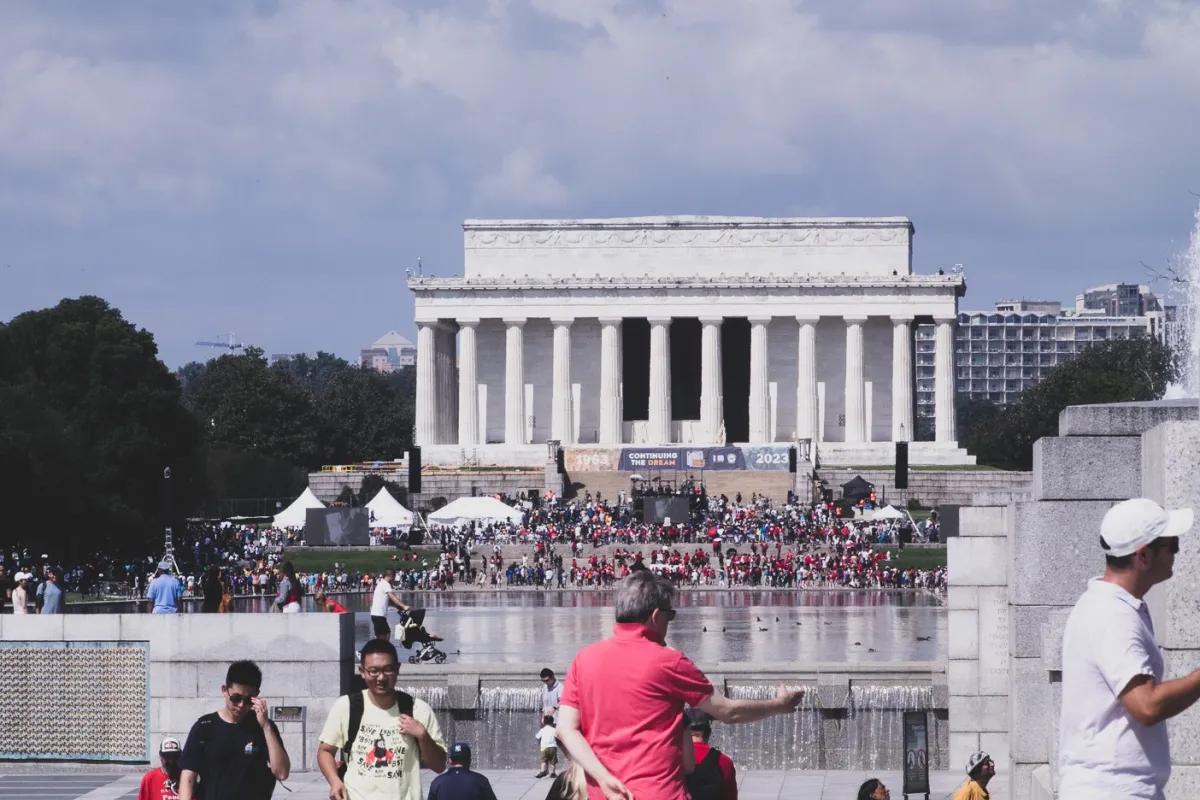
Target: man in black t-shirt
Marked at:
234, 753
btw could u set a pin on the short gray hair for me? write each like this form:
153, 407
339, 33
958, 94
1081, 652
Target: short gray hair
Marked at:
640, 593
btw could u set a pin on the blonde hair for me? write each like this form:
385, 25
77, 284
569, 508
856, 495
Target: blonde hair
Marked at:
574, 783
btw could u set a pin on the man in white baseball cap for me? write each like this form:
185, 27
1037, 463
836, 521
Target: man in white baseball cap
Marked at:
1112, 736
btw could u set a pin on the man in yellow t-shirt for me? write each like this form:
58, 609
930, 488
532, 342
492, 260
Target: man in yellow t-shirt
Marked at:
395, 733
980, 770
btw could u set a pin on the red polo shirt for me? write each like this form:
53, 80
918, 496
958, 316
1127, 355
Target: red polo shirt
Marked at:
630, 691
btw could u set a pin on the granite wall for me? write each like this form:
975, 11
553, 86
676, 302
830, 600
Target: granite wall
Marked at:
1022, 561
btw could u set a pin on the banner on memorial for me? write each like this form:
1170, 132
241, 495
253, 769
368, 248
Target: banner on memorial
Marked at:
771, 458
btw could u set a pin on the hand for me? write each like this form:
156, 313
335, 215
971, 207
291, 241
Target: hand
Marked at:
614, 790
337, 791
789, 699
260, 711
411, 727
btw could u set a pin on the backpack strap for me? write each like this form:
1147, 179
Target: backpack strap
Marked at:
356, 715
405, 701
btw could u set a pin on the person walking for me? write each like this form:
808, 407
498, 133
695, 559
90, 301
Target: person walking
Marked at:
383, 598
551, 694
164, 591
547, 739
162, 782
20, 593
51, 593
980, 771
290, 590
234, 753
212, 585
621, 715
1113, 739
714, 776
383, 735
460, 782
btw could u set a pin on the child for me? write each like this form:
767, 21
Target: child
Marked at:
548, 744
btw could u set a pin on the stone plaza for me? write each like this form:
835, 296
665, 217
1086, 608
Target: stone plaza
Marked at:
704, 331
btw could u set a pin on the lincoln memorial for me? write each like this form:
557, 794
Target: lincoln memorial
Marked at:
681, 331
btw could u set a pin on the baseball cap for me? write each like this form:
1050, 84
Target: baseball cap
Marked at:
698, 720
170, 745
22, 576
1133, 524
976, 759
460, 751
164, 565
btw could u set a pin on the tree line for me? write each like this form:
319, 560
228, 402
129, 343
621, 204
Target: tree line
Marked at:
90, 417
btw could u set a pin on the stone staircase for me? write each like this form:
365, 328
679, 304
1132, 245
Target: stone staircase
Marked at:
774, 485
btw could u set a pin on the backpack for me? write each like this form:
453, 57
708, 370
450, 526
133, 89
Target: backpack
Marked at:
357, 706
707, 782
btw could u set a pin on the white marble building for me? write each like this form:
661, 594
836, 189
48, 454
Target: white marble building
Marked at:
681, 330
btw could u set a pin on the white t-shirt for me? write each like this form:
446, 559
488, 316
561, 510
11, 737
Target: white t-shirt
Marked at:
379, 600
547, 737
552, 697
384, 764
1103, 752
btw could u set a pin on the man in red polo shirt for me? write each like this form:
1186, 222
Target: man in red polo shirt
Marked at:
621, 713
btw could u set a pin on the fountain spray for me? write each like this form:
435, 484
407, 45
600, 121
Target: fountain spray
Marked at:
1185, 337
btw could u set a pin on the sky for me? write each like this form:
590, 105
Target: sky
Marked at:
272, 167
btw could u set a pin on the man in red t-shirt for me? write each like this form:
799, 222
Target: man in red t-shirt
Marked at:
621, 712
162, 782
701, 727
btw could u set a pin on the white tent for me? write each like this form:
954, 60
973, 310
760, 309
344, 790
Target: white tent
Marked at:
889, 512
294, 515
474, 509
386, 511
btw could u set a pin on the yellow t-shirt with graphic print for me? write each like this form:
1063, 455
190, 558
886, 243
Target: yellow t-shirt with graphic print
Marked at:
384, 764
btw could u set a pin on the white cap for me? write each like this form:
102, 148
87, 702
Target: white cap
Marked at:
1133, 524
22, 576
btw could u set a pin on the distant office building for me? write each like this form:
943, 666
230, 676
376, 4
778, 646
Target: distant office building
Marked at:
999, 354
390, 353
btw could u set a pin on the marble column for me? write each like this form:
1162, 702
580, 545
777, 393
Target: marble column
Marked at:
562, 426
856, 401
468, 384
808, 412
760, 393
943, 381
447, 400
902, 379
514, 382
610, 380
712, 404
659, 428
427, 394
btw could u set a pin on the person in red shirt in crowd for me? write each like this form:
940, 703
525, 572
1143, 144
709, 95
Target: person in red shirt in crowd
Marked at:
162, 782
714, 776
324, 603
621, 712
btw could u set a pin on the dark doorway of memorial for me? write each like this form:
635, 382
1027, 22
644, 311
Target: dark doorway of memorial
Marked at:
735, 378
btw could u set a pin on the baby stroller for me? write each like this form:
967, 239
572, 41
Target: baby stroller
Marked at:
412, 631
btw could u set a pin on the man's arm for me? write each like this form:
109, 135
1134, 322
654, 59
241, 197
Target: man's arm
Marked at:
277, 756
1151, 703
581, 753
396, 601
734, 712
688, 747
432, 753
187, 785
327, 763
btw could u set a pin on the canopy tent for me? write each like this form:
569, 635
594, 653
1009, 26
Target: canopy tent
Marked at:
474, 509
386, 511
889, 512
857, 488
294, 515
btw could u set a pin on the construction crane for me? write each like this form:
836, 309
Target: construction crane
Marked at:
231, 345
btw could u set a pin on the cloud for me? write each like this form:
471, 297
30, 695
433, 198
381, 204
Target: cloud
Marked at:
279, 138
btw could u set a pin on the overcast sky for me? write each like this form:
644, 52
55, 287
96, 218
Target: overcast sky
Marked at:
272, 168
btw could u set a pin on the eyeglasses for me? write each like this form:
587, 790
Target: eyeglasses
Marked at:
1168, 542
240, 699
375, 672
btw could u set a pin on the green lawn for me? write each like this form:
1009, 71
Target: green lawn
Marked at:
372, 561
918, 557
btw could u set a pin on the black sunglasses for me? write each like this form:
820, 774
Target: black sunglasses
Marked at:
241, 699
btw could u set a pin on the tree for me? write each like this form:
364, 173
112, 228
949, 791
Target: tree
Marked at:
89, 419
1117, 371
371, 484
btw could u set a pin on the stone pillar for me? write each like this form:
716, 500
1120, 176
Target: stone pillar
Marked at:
660, 381
856, 401
760, 393
447, 395
514, 382
427, 395
808, 414
712, 404
610, 380
468, 384
902, 378
562, 426
943, 381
